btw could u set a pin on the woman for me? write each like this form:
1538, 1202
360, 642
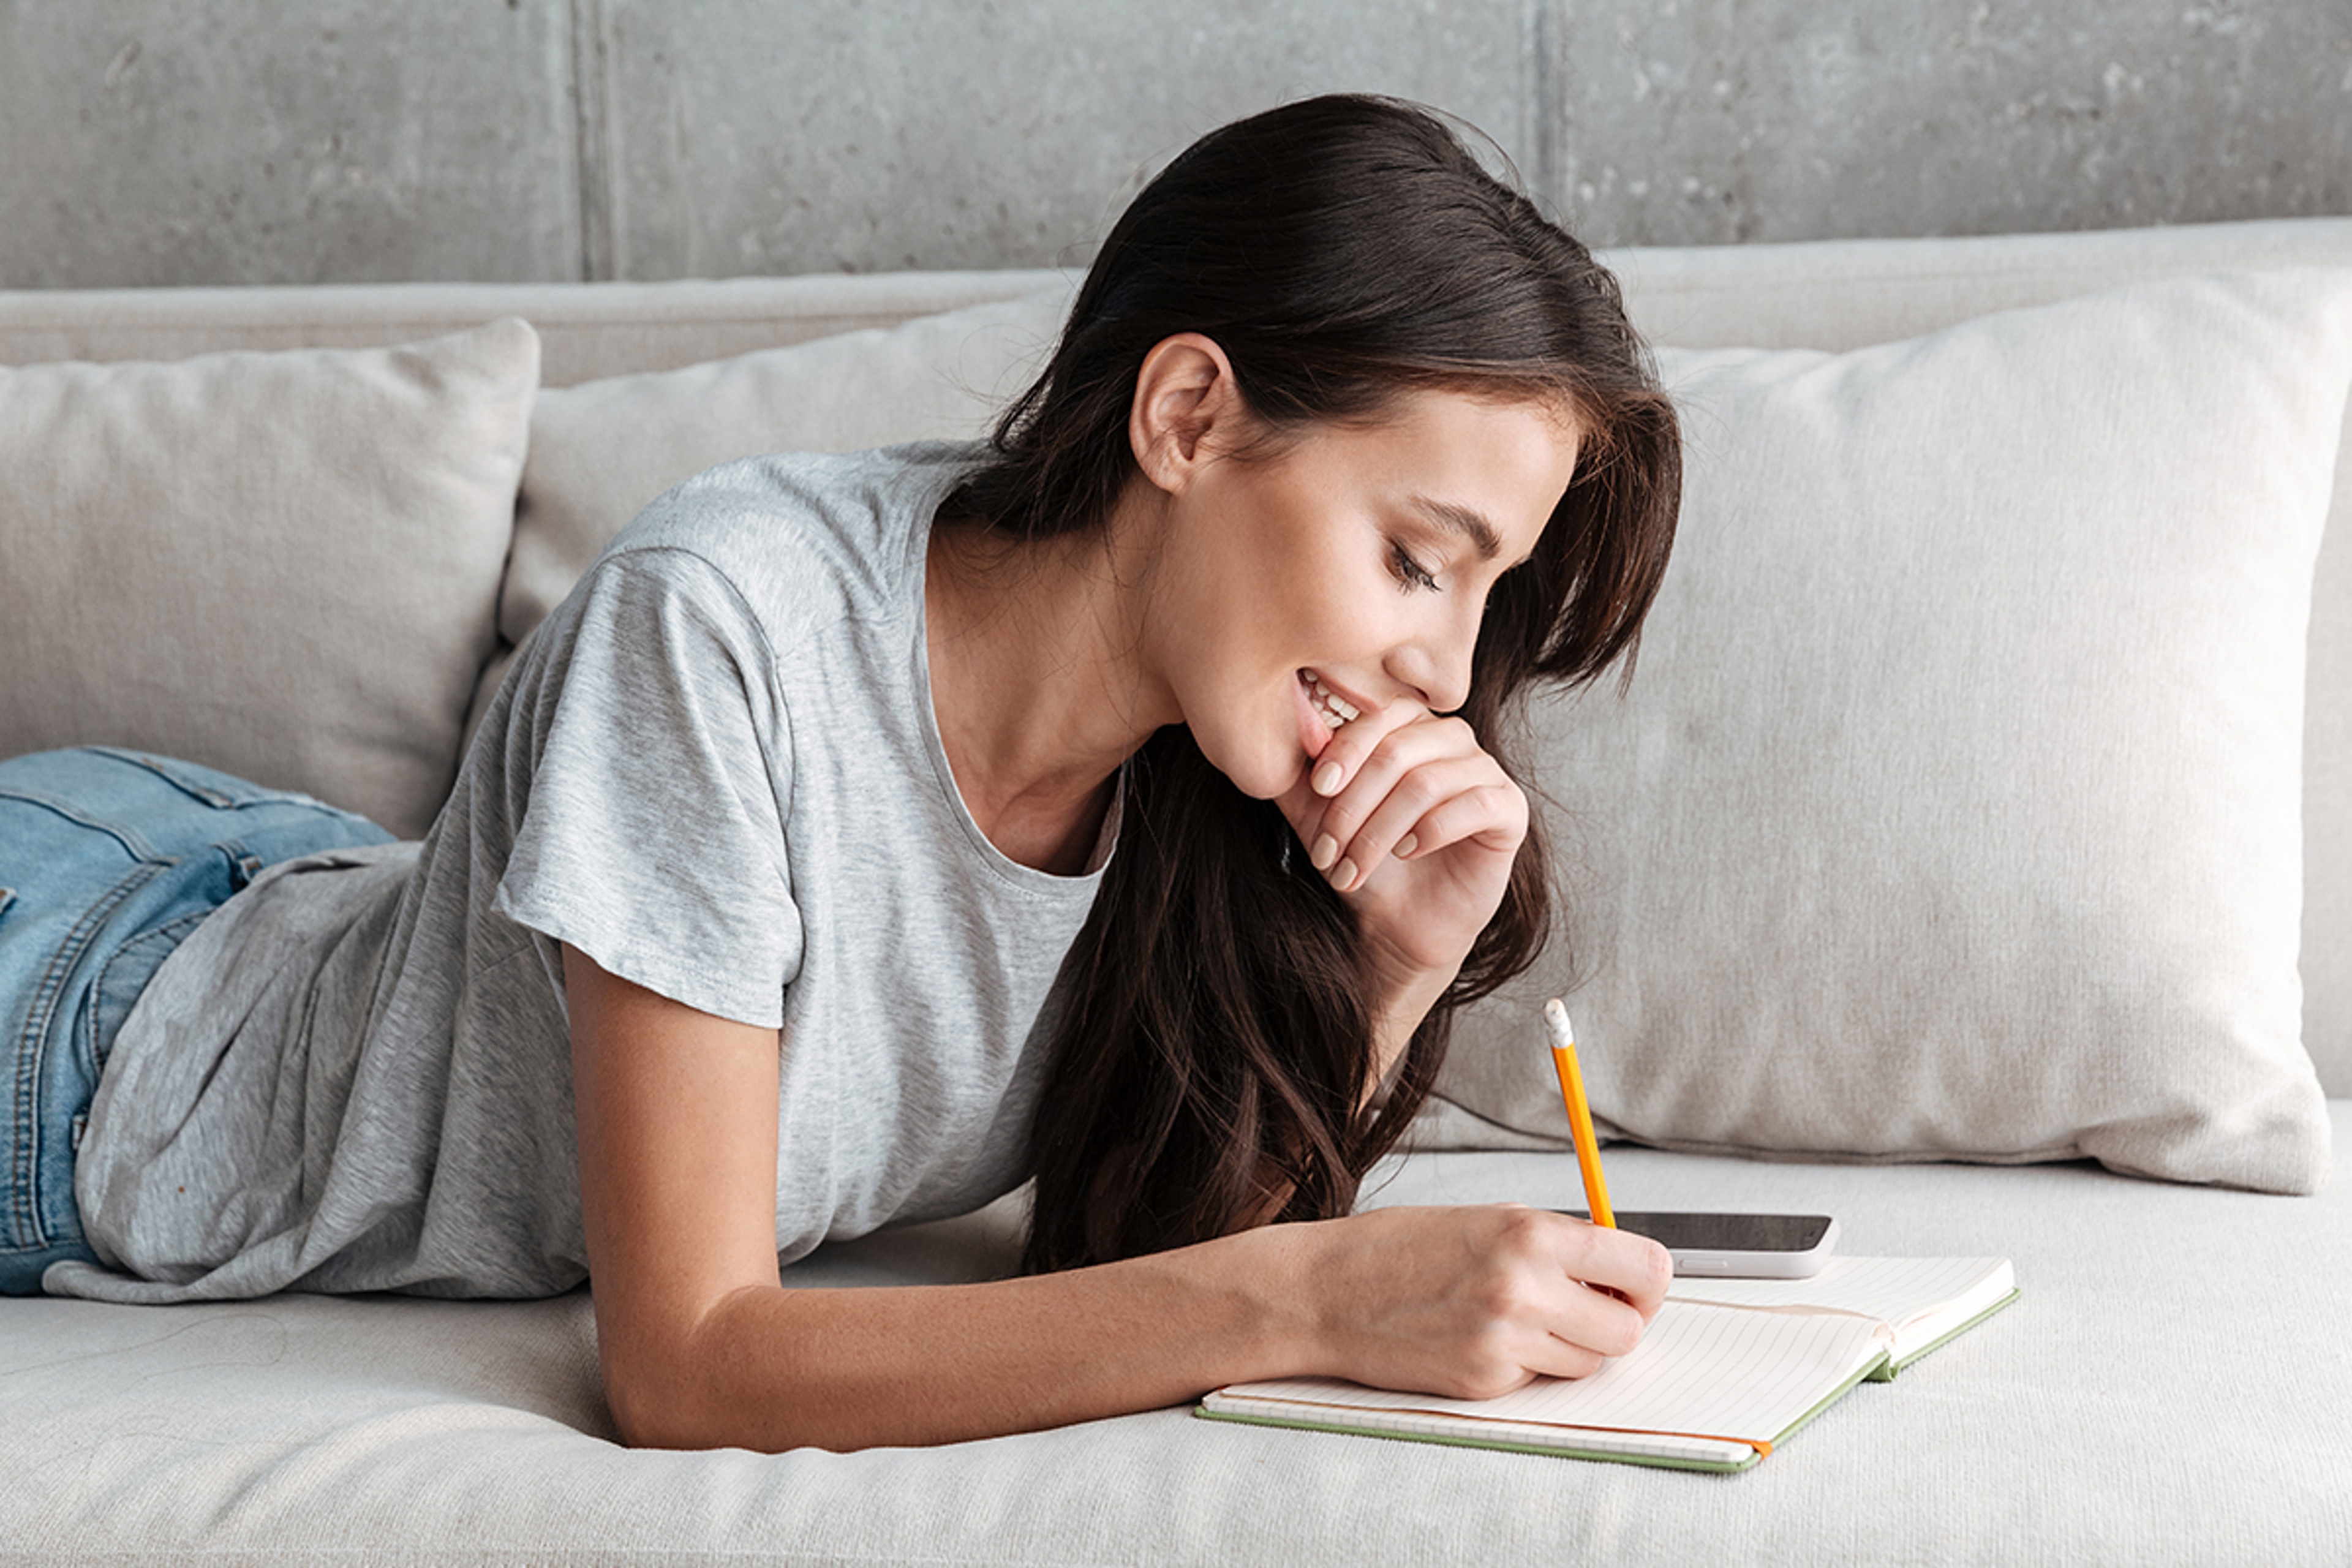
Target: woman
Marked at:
1118, 803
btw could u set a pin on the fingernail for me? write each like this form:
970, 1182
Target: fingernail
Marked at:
1326, 779
1406, 845
1326, 850
1343, 874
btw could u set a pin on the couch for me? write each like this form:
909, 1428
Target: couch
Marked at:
1969, 857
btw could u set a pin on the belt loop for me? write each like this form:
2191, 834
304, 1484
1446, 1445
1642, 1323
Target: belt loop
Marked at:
244, 865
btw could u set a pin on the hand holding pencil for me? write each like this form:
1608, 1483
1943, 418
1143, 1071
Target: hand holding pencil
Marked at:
1474, 1301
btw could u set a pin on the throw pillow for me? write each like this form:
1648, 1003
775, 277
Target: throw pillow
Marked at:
605, 448
601, 451
1954, 808
285, 565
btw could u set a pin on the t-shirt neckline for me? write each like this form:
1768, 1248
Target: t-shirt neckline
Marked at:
932, 493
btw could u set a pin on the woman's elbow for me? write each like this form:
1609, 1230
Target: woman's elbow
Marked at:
655, 1406
676, 1390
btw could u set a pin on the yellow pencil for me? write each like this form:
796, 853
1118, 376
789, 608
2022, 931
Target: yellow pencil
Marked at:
1580, 1114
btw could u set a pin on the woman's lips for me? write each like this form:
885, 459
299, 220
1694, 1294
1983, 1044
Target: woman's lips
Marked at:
1313, 734
1330, 706
1322, 711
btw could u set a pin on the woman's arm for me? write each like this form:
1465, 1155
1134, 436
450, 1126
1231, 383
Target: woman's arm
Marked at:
703, 1347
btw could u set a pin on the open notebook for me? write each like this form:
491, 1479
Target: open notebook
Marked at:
1728, 1368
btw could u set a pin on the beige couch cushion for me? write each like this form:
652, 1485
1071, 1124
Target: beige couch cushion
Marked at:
285, 565
1954, 812
2137, 1407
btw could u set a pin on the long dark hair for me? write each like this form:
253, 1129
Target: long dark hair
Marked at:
1213, 1049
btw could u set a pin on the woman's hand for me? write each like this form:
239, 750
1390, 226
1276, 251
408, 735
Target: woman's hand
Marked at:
1416, 826
1473, 1302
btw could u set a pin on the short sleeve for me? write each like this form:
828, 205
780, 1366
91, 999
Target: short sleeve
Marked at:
652, 835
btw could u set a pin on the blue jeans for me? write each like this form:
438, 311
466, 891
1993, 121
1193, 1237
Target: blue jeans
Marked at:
108, 860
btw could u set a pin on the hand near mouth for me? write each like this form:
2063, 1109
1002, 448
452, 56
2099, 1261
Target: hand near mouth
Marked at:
1412, 822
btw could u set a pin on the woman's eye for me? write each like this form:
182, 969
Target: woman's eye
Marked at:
1409, 572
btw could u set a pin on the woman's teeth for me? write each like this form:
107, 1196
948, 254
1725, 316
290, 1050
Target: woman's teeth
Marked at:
1330, 706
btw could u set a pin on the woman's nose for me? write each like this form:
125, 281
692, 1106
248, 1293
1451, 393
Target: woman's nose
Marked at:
1437, 666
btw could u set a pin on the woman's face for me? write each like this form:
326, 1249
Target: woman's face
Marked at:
1347, 572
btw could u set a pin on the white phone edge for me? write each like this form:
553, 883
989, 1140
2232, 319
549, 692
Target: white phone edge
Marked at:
1719, 1263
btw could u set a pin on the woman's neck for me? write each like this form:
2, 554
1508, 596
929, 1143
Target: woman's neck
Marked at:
1037, 684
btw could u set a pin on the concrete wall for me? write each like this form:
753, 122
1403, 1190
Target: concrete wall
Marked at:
179, 142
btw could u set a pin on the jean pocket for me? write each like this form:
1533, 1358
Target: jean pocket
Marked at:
123, 977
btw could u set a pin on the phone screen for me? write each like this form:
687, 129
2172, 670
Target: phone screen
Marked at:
1680, 1232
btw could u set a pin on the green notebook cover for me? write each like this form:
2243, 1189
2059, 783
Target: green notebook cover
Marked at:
1389, 1416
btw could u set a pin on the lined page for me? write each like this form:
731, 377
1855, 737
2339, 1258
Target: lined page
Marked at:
1917, 1297
1700, 1369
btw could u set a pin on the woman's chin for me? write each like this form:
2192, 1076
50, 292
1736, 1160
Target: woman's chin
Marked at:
1267, 772
1264, 774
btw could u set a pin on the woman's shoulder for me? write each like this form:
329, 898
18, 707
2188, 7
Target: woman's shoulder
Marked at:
807, 530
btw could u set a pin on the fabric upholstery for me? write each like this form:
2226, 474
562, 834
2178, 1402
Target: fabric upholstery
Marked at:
1952, 811
283, 565
2167, 1391
587, 332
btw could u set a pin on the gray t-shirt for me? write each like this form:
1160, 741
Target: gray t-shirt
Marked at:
716, 771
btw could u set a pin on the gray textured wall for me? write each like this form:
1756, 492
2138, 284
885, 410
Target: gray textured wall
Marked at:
164, 142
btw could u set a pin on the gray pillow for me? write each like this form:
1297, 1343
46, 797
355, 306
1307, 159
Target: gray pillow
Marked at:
1954, 811
285, 565
601, 451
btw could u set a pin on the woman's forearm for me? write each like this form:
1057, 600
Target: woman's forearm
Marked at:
770, 1368
1467, 1303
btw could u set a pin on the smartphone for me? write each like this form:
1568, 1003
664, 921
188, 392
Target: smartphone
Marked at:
1737, 1245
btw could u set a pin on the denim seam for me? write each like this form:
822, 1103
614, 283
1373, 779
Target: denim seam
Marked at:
218, 800
137, 846
203, 794
30, 1053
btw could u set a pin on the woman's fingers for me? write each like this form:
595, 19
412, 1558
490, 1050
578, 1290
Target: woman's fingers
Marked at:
1474, 1302
1353, 743
1636, 1269
1433, 807
1419, 830
1420, 788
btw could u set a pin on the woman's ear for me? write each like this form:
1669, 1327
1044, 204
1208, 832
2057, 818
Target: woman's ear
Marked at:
1186, 410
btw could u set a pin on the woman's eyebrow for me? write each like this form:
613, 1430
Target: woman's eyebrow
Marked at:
1461, 520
